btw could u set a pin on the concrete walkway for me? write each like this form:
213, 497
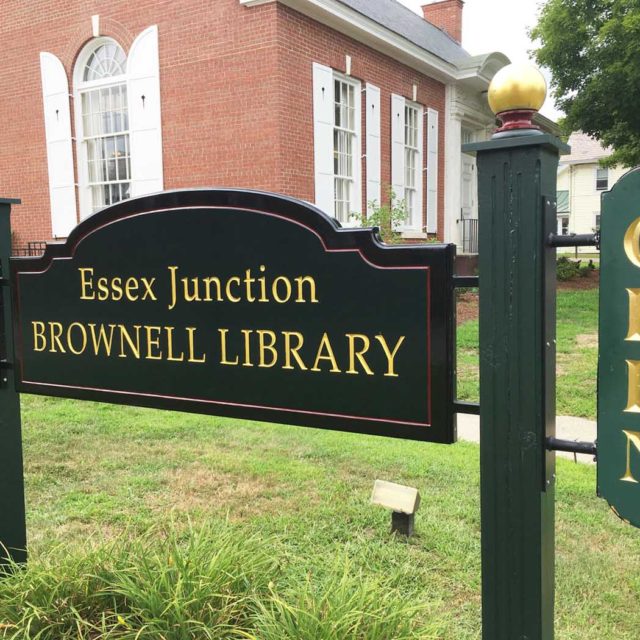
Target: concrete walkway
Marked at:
567, 428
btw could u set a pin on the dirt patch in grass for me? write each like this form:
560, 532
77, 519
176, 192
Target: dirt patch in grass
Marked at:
587, 340
197, 487
467, 307
590, 281
467, 302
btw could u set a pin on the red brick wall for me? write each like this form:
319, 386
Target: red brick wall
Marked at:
446, 14
236, 89
303, 42
217, 63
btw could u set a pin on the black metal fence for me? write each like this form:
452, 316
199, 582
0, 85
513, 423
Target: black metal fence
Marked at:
35, 248
469, 235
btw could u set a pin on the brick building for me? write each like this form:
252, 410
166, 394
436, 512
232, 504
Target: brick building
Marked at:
331, 101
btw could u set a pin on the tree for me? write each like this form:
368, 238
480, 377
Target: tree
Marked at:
592, 48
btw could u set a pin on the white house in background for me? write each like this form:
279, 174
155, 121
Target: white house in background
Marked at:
581, 182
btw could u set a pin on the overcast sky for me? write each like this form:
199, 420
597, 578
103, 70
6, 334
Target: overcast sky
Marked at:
497, 25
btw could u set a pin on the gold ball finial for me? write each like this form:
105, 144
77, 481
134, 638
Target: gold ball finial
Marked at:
517, 86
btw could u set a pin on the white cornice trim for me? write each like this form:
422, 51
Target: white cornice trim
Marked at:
353, 24
342, 18
255, 3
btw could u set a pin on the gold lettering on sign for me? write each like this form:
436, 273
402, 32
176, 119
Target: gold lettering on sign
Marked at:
174, 287
634, 314
633, 396
39, 339
312, 289
56, 332
290, 350
632, 242
223, 348
264, 347
633, 437
101, 338
391, 355
153, 342
125, 336
230, 296
287, 290
83, 338
325, 352
358, 353
86, 284
247, 347
191, 339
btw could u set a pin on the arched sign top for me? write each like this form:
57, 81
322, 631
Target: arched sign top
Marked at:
332, 235
241, 303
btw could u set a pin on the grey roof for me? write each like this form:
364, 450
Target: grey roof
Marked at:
584, 149
400, 19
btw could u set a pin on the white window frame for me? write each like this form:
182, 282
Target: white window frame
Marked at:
413, 170
597, 179
467, 135
401, 151
596, 221
342, 179
80, 86
563, 218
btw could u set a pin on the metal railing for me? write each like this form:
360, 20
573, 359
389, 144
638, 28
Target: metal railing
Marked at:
469, 235
33, 249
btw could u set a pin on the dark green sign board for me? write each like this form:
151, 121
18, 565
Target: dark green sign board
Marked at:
619, 344
239, 303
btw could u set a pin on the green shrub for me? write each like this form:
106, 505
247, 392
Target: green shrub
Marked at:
567, 269
165, 585
211, 583
386, 217
342, 606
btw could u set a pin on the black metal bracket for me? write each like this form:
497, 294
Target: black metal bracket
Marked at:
466, 281
574, 240
5, 365
572, 446
472, 408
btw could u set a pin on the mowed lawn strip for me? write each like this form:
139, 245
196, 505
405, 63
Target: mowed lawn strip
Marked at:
577, 354
97, 473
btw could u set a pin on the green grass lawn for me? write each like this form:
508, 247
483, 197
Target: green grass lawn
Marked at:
148, 524
577, 354
290, 540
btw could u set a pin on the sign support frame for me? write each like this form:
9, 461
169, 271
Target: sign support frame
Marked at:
13, 528
517, 388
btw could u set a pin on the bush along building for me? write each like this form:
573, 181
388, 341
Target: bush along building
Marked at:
336, 102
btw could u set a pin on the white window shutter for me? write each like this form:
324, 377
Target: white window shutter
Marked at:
432, 171
57, 124
397, 146
374, 191
323, 137
145, 126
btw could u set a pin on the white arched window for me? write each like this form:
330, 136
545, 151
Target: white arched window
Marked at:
118, 128
102, 125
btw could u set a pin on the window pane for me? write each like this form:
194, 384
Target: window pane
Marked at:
563, 201
602, 179
343, 143
106, 61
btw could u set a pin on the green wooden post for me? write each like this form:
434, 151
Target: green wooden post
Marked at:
13, 536
517, 191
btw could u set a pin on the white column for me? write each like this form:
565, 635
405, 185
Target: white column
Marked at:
452, 169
